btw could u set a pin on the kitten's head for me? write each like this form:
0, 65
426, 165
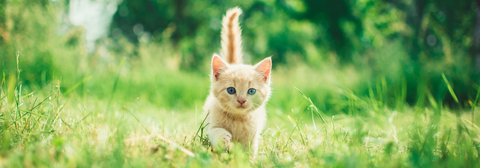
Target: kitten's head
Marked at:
241, 88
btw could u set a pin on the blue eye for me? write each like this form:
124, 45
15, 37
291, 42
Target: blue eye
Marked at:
251, 91
231, 90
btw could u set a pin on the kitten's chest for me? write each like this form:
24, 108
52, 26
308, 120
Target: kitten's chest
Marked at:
243, 131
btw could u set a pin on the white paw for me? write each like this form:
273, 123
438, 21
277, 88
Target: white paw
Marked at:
220, 138
226, 139
223, 140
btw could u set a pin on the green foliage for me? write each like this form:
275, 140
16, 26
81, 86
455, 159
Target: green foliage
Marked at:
383, 84
429, 37
380, 62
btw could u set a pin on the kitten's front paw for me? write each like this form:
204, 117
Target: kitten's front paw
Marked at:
223, 140
226, 139
220, 138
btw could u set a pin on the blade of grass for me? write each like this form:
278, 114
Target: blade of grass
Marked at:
431, 99
13, 123
313, 119
137, 120
68, 125
46, 98
60, 111
312, 105
474, 105
76, 85
83, 118
196, 134
290, 140
296, 121
171, 142
34, 113
115, 84
184, 150
10, 98
450, 89
31, 93
18, 85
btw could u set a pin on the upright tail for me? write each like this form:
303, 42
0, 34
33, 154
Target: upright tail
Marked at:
231, 36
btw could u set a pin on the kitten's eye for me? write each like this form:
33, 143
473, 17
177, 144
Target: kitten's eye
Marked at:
231, 90
251, 91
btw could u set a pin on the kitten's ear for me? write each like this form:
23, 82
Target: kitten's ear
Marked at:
218, 65
264, 67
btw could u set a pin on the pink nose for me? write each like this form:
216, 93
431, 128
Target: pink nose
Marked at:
241, 101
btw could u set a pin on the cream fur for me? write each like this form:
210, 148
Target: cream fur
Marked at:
231, 36
230, 120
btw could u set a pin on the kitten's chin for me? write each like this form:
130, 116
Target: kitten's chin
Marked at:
245, 109
239, 110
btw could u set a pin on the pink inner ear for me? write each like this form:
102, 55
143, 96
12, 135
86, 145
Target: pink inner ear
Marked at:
265, 67
217, 65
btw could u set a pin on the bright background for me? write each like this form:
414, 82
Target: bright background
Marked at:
133, 68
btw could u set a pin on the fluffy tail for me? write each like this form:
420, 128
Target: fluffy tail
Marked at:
231, 36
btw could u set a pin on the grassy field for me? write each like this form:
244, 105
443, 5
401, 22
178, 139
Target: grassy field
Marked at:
57, 127
138, 105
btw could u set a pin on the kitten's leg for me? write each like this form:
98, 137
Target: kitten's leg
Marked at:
255, 146
219, 137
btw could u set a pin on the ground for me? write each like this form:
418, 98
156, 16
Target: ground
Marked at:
58, 130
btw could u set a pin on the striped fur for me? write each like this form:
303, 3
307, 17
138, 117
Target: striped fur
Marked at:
231, 37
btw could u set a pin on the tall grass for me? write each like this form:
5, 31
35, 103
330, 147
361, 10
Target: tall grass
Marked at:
54, 130
62, 107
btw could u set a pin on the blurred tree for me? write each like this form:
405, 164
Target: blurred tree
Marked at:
436, 36
149, 18
399, 42
3, 22
442, 30
334, 16
135, 18
476, 39
27, 33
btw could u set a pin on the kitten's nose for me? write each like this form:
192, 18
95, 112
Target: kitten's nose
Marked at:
241, 101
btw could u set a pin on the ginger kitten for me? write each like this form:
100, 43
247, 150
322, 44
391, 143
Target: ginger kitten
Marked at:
238, 92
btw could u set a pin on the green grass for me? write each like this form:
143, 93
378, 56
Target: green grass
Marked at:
46, 128
63, 107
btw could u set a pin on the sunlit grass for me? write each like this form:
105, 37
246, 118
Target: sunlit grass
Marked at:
45, 128
63, 107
